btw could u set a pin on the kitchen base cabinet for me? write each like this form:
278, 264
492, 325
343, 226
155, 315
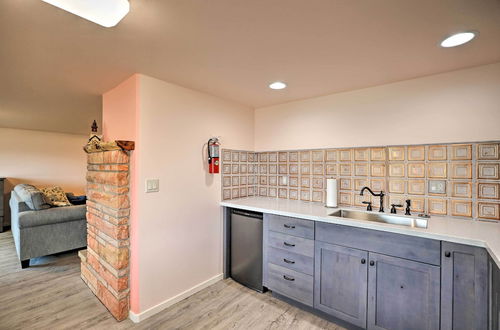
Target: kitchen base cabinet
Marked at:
494, 296
402, 294
340, 284
464, 287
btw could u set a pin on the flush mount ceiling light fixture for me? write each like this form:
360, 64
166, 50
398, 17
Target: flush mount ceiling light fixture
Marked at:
277, 85
458, 39
103, 12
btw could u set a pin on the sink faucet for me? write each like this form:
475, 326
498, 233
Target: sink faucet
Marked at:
381, 194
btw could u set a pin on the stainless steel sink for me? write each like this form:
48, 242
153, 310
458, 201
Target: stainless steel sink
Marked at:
381, 217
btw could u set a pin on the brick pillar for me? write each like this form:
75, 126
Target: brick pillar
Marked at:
105, 263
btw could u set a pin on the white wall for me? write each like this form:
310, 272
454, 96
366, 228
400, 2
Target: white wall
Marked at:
452, 107
180, 228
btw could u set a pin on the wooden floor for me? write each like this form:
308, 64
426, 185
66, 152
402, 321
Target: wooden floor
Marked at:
51, 295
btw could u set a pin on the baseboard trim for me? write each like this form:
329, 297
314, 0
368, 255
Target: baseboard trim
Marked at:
136, 318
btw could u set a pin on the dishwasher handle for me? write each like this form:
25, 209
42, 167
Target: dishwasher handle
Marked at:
248, 214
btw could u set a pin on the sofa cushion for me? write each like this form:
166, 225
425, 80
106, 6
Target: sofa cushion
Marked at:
31, 196
51, 216
55, 196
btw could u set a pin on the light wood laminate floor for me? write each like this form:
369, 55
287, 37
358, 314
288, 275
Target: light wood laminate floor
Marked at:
51, 295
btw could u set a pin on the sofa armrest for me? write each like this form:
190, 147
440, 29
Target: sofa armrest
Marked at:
16, 205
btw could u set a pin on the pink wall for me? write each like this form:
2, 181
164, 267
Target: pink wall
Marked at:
452, 107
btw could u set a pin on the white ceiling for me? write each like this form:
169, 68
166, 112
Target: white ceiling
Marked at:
54, 66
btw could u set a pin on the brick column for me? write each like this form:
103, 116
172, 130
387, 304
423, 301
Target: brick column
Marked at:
105, 263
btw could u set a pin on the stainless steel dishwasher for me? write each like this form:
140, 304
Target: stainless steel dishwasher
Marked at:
246, 248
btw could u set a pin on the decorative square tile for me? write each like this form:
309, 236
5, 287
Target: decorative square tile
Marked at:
488, 190
378, 184
397, 170
461, 189
226, 181
273, 180
437, 187
282, 157
263, 157
305, 156
317, 169
235, 193
293, 156
488, 171
235, 180
226, 169
416, 170
305, 168
243, 158
360, 183
377, 154
272, 157
461, 170
331, 169
243, 192
436, 170
488, 151
251, 191
226, 155
252, 157
345, 169
331, 155
282, 169
318, 155
273, 169
243, 168
226, 194
272, 192
377, 169
283, 180
417, 204
397, 153
263, 169
293, 194
263, 180
243, 180
361, 154
235, 169
437, 206
416, 187
293, 168
262, 191
305, 195
361, 169
358, 199
235, 156
461, 208
252, 168
396, 199
345, 155
345, 184
282, 193
317, 196
461, 152
397, 186
437, 152
317, 182
252, 180
416, 153
305, 182
488, 210
345, 198
294, 181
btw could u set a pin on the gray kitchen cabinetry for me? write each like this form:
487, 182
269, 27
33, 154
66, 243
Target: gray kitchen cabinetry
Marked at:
464, 287
494, 296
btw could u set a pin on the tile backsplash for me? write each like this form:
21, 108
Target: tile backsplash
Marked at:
460, 180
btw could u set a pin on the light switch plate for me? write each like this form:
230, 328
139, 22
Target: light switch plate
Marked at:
152, 185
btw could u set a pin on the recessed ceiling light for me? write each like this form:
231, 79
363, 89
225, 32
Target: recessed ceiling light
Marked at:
277, 85
103, 12
458, 39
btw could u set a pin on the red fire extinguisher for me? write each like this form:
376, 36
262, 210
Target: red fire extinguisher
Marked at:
213, 155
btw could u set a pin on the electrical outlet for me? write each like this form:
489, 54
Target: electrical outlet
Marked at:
152, 185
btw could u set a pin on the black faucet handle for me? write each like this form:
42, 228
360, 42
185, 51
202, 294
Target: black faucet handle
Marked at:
393, 207
369, 207
408, 204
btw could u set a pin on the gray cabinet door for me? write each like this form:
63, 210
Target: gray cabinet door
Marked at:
340, 283
494, 296
464, 287
402, 294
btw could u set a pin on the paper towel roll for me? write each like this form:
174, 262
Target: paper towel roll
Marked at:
331, 192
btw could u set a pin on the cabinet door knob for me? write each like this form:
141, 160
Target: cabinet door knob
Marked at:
447, 254
363, 261
289, 226
372, 263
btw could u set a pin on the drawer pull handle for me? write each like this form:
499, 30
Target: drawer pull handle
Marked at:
288, 261
289, 226
288, 278
289, 244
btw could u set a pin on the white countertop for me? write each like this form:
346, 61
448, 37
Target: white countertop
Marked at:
470, 232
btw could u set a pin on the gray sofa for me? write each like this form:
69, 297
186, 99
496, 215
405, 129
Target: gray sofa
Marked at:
42, 232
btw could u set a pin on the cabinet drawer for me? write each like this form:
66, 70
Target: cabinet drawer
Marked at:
290, 243
397, 245
291, 284
291, 226
290, 260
